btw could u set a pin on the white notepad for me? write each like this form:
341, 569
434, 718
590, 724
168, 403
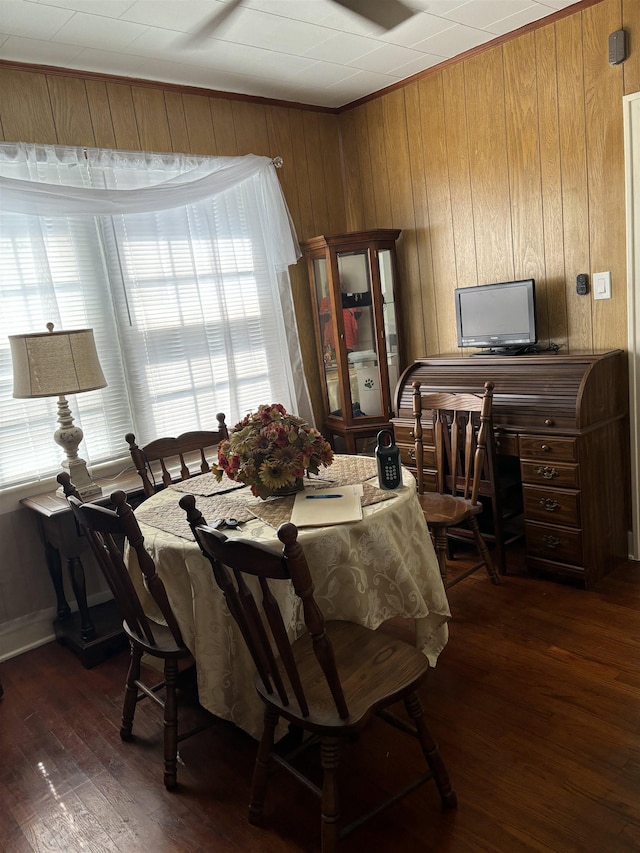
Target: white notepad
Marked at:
322, 507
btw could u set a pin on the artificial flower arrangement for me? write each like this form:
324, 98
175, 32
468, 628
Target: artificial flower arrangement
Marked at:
271, 450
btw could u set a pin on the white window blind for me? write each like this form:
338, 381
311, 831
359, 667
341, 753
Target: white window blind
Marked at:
186, 306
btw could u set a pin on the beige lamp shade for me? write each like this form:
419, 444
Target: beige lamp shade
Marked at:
51, 363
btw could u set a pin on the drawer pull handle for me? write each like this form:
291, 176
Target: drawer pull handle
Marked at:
551, 541
411, 433
549, 504
548, 421
411, 454
545, 448
547, 472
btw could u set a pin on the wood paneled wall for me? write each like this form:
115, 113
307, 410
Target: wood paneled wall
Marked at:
72, 110
508, 164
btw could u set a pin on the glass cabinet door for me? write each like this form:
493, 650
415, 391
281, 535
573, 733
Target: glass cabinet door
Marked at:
385, 263
360, 333
327, 334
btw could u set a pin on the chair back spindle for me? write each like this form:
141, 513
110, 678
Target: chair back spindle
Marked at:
172, 456
460, 433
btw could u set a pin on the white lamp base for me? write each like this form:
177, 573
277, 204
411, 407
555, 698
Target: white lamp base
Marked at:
81, 479
69, 436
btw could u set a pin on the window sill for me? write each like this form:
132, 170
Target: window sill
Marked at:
11, 496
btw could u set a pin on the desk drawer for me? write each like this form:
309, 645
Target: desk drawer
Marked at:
544, 447
555, 506
565, 476
408, 456
404, 434
506, 444
554, 543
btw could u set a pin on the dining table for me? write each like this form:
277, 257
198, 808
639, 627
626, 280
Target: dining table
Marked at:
365, 571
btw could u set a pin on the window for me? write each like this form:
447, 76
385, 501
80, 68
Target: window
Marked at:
187, 305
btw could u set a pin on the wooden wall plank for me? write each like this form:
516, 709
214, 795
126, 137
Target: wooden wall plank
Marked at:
350, 124
100, 112
440, 218
484, 84
378, 155
123, 116
151, 118
197, 116
552, 312
25, 108
329, 135
416, 293
316, 159
573, 159
68, 97
527, 226
604, 88
523, 157
177, 123
250, 124
363, 147
224, 127
455, 114
305, 224
631, 68
400, 193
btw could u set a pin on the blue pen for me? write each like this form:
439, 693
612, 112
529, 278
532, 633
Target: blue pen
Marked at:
320, 497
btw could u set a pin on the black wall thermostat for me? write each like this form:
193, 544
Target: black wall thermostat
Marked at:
582, 284
617, 47
388, 459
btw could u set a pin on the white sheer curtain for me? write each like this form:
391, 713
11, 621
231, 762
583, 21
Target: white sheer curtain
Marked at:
178, 263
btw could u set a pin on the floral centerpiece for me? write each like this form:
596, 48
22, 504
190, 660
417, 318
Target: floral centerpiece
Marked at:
270, 451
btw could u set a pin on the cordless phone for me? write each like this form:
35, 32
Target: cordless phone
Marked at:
388, 459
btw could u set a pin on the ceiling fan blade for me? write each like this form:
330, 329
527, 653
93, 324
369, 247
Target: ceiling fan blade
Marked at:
216, 20
386, 13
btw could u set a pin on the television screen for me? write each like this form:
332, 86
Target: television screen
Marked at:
498, 316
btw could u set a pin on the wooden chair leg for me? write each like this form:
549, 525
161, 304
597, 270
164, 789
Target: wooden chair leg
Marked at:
261, 768
330, 759
170, 724
431, 752
130, 694
484, 551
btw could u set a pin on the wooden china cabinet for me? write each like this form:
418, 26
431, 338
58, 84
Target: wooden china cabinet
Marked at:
353, 279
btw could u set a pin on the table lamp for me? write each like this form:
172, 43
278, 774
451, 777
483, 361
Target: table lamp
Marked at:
53, 364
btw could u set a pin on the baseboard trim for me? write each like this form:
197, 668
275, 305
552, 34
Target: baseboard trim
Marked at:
29, 632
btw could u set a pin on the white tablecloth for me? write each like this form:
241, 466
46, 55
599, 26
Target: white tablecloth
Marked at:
366, 572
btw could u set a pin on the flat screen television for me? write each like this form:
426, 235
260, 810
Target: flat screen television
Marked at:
499, 317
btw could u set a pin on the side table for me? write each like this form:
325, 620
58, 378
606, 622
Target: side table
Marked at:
95, 632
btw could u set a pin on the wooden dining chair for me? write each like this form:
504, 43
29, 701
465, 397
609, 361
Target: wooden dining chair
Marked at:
459, 426
102, 528
329, 682
169, 458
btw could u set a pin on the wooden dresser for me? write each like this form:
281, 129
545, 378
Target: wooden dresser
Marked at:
563, 416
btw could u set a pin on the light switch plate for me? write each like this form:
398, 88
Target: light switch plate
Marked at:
601, 285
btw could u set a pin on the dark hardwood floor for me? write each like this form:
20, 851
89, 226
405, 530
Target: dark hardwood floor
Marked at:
535, 703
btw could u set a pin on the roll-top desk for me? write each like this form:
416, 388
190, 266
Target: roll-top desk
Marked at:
563, 416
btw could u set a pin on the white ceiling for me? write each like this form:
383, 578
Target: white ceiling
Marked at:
308, 51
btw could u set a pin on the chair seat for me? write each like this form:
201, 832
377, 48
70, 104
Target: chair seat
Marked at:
446, 510
374, 668
165, 644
